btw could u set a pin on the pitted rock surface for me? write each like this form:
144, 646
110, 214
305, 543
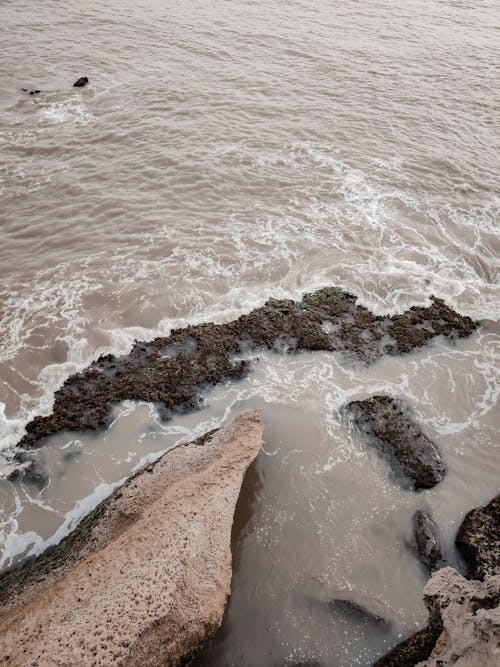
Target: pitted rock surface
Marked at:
387, 423
146, 579
172, 371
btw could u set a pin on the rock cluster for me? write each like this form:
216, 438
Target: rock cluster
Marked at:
464, 615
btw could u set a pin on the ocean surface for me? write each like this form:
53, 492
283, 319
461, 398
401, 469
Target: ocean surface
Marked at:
225, 152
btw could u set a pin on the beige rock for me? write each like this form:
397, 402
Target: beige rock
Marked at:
470, 615
146, 578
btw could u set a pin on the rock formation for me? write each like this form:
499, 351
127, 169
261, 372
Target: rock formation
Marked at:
145, 578
171, 371
464, 616
478, 540
388, 424
427, 540
469, 613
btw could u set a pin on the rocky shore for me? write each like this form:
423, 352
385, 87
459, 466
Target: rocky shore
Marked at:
464, 615
145, 578
172, 371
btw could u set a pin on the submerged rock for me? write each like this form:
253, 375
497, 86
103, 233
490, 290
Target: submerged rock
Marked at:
478, 540
427, 540
413, 650
362, 607
353, 602
145, 578
387, 422
82, 81
172, 371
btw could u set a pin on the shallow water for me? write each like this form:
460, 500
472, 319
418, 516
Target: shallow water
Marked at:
321, 513
226, 152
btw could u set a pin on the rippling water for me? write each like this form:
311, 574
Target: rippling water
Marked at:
223, 152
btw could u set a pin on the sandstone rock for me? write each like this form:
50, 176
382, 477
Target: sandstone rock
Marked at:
388, 424
144, 580
427, 540
464, 625
470, 615
478, 540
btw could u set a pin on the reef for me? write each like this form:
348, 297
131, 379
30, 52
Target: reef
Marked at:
172, 371
145, 578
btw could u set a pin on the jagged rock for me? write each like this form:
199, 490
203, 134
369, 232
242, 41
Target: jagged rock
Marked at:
388, 424
427, 540
145, 578
470, 615
478, 540
171, 371
464, 625
82, 81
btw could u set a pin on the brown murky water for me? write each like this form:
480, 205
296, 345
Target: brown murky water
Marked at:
224, 152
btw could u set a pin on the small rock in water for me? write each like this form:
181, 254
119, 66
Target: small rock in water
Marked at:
387, 422
362, 606
355, 602
426, 535
82, 81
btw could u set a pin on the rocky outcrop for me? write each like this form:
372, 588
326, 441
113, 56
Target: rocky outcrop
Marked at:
388, 424
464, 625
470, 615
478, 540
427, 540
468, 610
145, 578
172, 371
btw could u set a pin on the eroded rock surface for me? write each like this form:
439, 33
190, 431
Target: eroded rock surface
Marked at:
427, 540
171, 371
478, 540
470, 615
388, 423
145, 578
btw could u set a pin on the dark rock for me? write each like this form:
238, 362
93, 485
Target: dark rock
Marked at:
358, 611
82, 81
478, 540
412, 650
387, 422
208, 354
29, 473
427, 540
